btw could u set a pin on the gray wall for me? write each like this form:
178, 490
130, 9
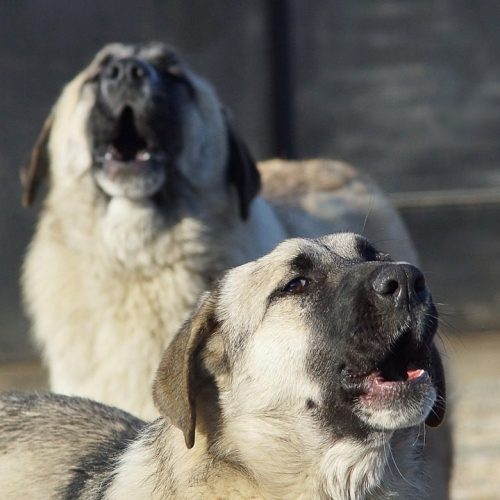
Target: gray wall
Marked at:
407, 90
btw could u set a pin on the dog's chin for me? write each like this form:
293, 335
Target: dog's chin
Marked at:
395, 404
136, 179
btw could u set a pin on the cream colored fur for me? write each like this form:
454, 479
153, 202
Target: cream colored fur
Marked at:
312, 470
255, 436
269, 447
107, 284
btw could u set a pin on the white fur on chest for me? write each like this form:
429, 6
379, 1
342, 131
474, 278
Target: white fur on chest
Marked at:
106, 310
137, 237
109, 291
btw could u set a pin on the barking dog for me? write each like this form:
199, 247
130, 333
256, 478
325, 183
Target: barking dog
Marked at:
307, 373
151, 196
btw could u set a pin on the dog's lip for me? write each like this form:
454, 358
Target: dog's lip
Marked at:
403, 365
142, 157
376, 388
382, 386
144, 164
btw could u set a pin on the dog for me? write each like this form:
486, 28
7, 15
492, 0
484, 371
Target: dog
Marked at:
307, 373
152, 195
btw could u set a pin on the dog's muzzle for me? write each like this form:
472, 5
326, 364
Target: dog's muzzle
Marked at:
391, 375
127, 82
133, 127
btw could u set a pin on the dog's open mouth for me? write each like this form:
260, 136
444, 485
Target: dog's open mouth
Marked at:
403, 370
129, 148
130, 164
378, 389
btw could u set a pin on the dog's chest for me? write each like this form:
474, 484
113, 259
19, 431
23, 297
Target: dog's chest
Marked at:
109, 336
106, 311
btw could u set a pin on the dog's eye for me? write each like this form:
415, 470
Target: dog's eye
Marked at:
175, 70
297, 285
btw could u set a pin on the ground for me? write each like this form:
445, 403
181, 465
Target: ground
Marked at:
474, 397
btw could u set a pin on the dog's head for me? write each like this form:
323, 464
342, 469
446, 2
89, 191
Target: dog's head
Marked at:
143, 126
326, 333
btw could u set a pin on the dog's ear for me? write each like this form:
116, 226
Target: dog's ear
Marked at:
242, 171
436, 415
178, 378
37, 168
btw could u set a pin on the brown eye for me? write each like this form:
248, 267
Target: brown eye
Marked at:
297, 285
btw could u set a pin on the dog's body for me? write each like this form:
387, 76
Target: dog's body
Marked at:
151, 197
306, 374
106, 454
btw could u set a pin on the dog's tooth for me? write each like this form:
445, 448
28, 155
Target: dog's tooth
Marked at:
144, 156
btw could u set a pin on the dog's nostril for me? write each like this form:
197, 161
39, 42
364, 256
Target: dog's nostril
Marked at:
400, 281
114, 71
136, 72
387, 287
126, 70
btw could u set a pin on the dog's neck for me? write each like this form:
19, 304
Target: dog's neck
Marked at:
383, 467
375, 469
345, 470
138, 236
291, 467
199, 229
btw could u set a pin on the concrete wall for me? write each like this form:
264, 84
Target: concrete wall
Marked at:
409, 91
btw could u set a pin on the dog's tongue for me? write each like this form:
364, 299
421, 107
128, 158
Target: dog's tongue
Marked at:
413, 374
381, 392
376, 383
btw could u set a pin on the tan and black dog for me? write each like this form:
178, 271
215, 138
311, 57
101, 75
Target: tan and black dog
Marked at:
306, 374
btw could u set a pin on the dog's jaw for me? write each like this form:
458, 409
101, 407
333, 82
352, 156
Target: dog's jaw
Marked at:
390, 405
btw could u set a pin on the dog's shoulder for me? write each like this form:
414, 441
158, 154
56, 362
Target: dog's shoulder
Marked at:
81, 439
320, 196
284, 180
31, 407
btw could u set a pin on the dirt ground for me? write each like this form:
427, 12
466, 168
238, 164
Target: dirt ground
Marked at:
474, 395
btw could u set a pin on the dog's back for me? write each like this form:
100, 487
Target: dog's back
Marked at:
49, 450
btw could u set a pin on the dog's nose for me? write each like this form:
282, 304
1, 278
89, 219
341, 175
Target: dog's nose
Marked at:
402, 283
128, 70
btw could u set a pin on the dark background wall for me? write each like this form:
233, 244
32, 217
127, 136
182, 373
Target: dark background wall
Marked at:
408, 91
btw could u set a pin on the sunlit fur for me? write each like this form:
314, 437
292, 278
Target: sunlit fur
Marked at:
255, 436
108, 281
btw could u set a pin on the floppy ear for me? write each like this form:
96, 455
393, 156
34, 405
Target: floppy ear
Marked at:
242, 172
178, 378
36, 170
436, 415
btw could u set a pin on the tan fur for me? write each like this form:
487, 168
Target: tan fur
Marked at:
231, 389
108, 284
